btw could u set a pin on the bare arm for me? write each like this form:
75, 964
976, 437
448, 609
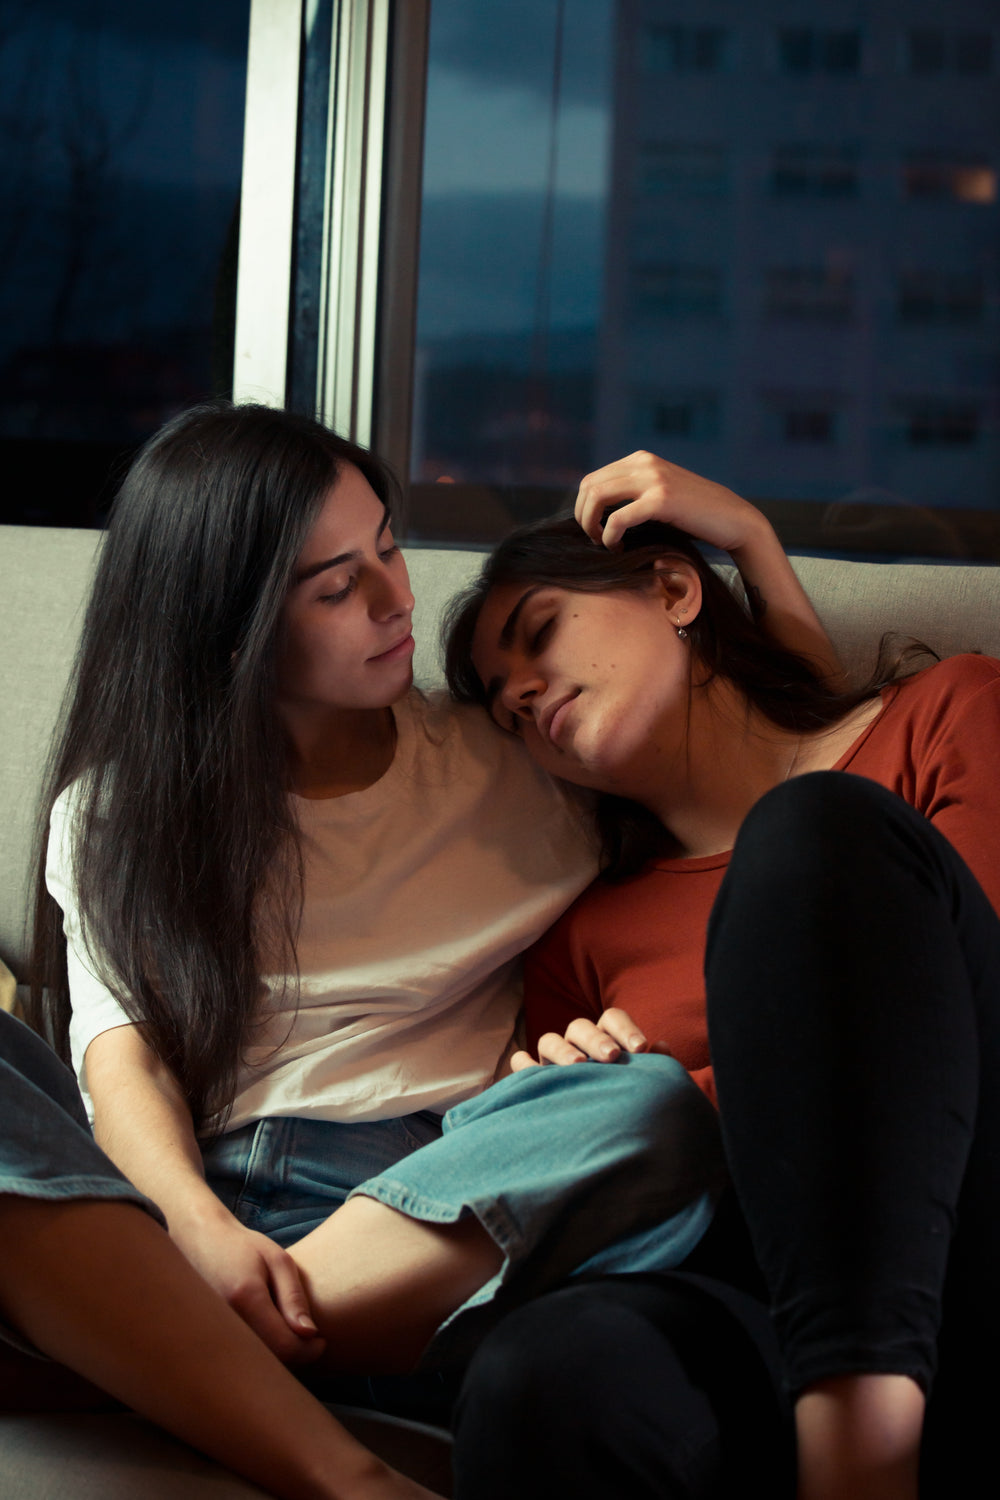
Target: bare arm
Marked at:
143, 1123
653, 489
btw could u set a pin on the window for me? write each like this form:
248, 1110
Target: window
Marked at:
677, 291
930, 175
934, 422
121, 135
806, 171
809, 425
802, 419
670, 416
810, 49
685, 49
808, 293
933, 50
679, 167
624, 241
942, 297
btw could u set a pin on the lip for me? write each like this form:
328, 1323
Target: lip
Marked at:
554, 716
402, 648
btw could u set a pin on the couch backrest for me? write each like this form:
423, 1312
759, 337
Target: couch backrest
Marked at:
47, 572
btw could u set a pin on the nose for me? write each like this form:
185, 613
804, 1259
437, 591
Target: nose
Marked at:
523, 685
391, 593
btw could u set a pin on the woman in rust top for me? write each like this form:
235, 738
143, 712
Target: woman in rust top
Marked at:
852, 973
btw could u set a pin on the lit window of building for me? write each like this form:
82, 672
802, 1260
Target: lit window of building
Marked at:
932, 175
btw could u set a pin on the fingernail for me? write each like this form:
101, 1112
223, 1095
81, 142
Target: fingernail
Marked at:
307, 1324
609, 1050
636, 1041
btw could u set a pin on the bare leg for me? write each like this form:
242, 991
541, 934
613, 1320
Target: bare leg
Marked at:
380, 1283
100, 1287
859, 1438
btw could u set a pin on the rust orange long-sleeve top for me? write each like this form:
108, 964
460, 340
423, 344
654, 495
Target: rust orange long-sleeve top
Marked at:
640, 945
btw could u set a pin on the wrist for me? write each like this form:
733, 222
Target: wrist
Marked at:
196, 1212
759, 538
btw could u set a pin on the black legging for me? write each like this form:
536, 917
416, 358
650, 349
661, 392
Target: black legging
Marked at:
853, 975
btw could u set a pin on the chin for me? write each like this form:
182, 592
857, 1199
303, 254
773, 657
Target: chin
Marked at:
404, 686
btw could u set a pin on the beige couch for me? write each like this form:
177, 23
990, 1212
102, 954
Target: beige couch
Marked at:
45, 579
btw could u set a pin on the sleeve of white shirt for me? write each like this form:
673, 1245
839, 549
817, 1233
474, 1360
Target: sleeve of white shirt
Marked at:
95, 1009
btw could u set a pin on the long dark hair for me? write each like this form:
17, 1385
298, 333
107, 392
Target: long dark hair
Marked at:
781, 685
186, 862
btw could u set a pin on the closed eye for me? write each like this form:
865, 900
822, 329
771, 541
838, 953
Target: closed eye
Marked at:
339, 595
541, 635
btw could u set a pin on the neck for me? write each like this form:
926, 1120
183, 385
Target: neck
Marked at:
732, 756
335, 752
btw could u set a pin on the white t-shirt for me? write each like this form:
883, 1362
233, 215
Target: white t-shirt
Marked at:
420, 892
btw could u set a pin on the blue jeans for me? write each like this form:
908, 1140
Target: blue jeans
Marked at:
595, 1168
46, 1148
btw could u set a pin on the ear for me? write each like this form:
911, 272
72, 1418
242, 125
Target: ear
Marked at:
680, 588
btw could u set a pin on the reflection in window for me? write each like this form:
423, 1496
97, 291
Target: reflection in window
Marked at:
685, 49
681, 168
679, 290
932, 50
928, 174
930, 422
940, 297
807, 171
732, 276
808, 293
811, 49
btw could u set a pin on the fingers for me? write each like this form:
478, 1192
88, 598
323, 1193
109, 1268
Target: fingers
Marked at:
290, 1296
584, 1040
270, 1298
553, 1048
620, 1026
625, 479
592, 1041
645, 487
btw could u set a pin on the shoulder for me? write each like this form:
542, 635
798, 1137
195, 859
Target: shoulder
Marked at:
949, 686
944, 716
474, 745
463, 762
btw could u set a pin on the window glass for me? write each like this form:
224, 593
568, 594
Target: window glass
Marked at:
767, 249
120, 149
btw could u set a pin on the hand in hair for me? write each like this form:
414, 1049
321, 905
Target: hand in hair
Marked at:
647, 488
588, 1041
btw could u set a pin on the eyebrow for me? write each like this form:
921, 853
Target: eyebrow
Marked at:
506, 636
342, 557
506, 640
